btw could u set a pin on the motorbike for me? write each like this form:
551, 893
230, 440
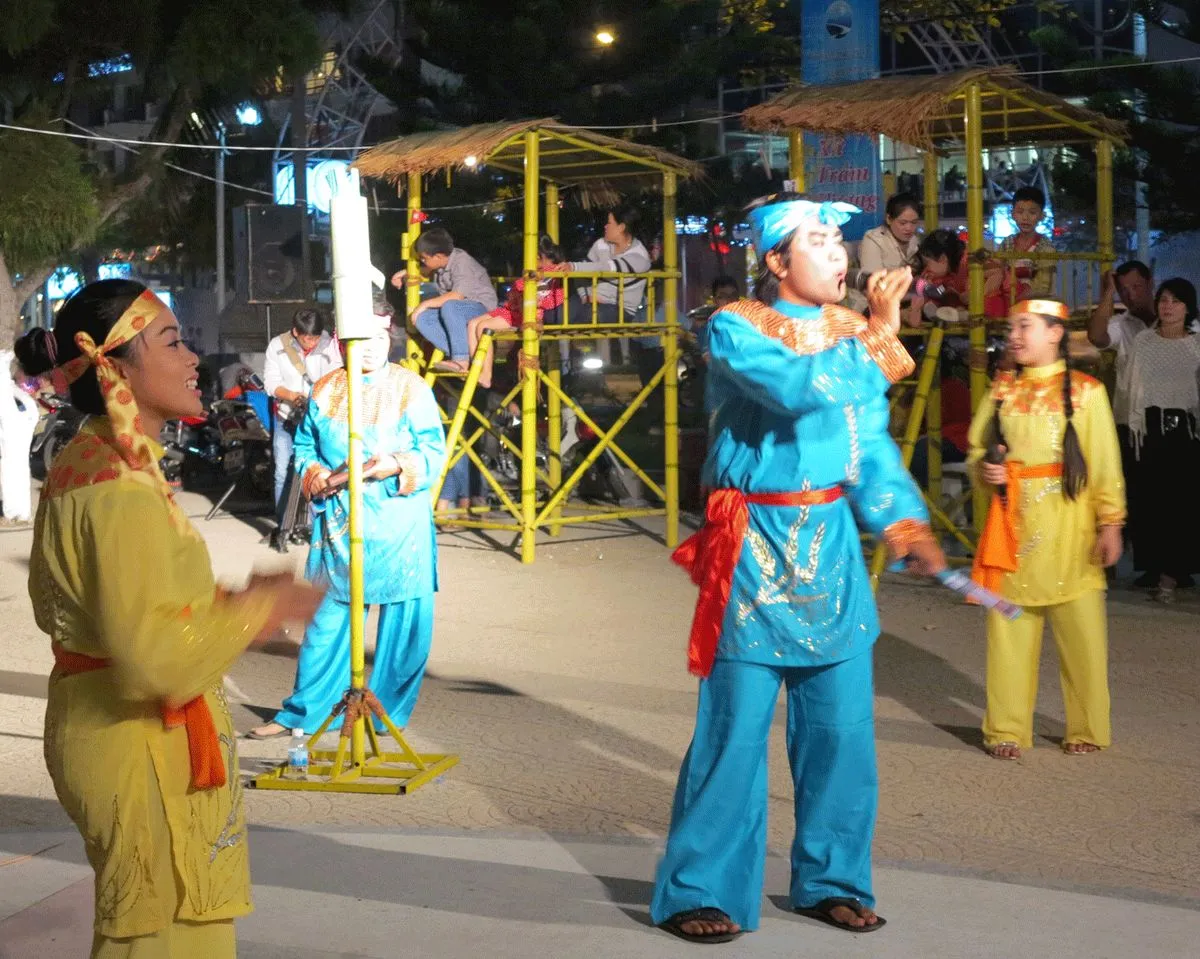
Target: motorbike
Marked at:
58, 425
230, 442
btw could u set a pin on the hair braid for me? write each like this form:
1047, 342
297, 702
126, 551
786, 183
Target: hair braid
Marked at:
1075, 470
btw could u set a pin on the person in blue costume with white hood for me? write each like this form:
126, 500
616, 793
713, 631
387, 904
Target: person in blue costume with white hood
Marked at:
405, 447
799, 460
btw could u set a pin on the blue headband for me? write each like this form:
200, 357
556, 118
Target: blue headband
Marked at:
775, 222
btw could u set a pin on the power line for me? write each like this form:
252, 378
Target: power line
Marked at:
129, 143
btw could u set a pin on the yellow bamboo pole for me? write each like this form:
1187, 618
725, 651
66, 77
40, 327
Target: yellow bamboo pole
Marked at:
796, 159
354, 460
977, 329
529, 354
412, 286
552, 211
671, 351
931, 191
1104, 205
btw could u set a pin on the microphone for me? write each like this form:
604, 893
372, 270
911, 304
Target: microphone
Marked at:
995, 457
930, 290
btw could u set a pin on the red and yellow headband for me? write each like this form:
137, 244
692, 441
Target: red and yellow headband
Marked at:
118, 398
1051, 308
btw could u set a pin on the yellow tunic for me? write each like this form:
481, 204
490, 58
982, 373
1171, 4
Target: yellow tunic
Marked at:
1056, 534
118, 573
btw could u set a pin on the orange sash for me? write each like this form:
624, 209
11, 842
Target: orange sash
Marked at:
204, 747
711, 554
997, 550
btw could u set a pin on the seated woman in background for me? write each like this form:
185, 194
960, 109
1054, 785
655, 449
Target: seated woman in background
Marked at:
942, 260
509, 316
894, 243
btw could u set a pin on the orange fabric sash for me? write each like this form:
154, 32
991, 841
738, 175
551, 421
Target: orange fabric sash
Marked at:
997, 550
711, 554
204, 747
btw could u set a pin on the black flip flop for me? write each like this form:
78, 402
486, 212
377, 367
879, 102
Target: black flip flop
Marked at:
823, 912
674, 925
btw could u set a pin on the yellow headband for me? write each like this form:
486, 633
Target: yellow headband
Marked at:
1051, 308
118, 397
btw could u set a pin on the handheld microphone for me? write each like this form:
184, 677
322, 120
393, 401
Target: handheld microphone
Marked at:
995, 457
857, 280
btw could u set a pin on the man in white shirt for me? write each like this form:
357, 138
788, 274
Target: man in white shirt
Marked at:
1112, 330
1109, 329
295, 361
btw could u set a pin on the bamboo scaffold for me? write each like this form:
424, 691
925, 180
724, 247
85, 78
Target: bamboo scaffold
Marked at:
956, 114
550, 156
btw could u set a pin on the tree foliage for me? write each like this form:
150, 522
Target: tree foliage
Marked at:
1161, 107
47, 202
186, 54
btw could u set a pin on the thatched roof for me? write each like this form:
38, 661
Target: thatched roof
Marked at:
928, 111
601, 166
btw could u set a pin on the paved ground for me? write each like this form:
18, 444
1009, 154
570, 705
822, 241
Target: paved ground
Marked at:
562, 687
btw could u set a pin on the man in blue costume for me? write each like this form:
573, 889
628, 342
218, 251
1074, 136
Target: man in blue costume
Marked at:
405, 447
799, 458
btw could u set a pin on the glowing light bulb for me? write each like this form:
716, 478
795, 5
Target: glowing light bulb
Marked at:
606, 38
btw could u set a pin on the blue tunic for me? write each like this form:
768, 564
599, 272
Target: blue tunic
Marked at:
400, 416
788, 411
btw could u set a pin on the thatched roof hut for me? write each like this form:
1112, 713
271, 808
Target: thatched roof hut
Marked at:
602, 167
929, 112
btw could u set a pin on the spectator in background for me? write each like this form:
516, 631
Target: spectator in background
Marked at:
942, 260
1112, 329
1033, 278
1164, 405
294, 362
894, 243
618, 251
511, 314
466, 291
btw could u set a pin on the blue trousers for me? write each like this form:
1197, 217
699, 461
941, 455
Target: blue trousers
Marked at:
717, 846
446, 327
323, 672
281, 452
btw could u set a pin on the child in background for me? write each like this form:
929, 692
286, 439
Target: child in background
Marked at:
1033, 277
508, 316
1054, 524
942, 260
465, 291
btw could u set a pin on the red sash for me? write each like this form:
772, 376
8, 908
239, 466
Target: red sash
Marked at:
711, 554
204, 747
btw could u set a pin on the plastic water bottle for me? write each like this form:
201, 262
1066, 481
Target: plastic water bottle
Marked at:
297, 764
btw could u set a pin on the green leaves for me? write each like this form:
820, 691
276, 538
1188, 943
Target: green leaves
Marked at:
47, 202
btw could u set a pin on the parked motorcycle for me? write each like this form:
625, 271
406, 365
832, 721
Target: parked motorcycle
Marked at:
229, 443
59, 423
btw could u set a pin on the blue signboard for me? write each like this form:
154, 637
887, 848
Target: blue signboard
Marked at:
841, 45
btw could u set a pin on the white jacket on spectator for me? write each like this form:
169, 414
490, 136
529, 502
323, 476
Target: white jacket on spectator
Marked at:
601, 258
279, 370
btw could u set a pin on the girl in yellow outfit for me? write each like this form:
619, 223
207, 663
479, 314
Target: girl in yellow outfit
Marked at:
1044, 443
138, 737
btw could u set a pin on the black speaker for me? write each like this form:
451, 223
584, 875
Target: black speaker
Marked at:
269, 265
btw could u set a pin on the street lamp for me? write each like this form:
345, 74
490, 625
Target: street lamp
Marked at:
605, 37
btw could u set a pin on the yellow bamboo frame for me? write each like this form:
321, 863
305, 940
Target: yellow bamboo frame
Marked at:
530, 512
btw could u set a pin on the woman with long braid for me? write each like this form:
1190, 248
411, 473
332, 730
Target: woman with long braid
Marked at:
1044, 444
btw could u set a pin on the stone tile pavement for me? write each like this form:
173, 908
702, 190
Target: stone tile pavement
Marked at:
562, 687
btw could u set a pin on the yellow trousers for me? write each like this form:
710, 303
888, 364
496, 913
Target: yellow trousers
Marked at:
1014, 647
180, 940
